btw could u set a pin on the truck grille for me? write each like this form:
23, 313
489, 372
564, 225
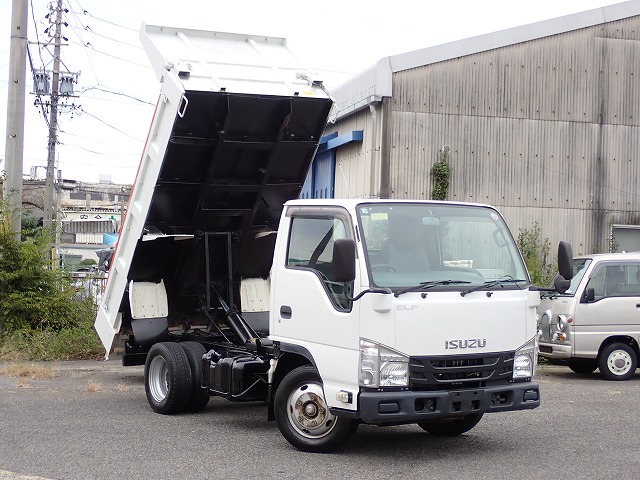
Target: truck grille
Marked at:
459, 372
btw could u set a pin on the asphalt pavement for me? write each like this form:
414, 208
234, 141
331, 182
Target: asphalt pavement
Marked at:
92, 420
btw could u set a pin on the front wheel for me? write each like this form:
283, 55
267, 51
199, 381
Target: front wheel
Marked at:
582, 366
303, 416
618, 361
451, 427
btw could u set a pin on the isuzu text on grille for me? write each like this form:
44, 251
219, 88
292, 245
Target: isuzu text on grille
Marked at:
468, 343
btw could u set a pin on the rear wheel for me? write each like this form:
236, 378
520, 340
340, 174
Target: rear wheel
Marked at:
618, 361
199, 396
582, 366
451, 427
303, 416
167, 378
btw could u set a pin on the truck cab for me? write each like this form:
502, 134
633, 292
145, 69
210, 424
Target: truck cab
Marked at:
596, 322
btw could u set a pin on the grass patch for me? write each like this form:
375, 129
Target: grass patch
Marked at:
94, 386
74, 343
32, 371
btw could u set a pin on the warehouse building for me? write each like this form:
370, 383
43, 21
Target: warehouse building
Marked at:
542, 121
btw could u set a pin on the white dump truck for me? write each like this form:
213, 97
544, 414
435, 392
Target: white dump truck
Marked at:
331, 312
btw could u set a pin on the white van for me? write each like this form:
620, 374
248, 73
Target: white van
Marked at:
596, 322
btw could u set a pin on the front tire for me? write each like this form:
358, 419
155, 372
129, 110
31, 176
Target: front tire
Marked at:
582, 366
303, 416
451, 427
167, 378
618, 361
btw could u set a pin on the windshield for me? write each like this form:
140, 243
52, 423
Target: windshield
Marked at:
407, 244
580, 266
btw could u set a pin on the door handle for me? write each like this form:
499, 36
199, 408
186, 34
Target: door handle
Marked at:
285, 311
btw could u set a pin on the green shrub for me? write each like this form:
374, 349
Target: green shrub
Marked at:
38, 303
79, 342
536, 254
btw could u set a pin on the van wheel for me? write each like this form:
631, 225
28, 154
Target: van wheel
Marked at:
199, 396
618, 361
582, 366
451, 427
167, 378
302, 414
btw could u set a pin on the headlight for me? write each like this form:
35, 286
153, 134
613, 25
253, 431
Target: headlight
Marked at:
525, 360
382, 367
562, 323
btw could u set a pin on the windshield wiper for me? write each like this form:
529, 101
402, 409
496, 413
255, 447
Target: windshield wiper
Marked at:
491, 283
427, 285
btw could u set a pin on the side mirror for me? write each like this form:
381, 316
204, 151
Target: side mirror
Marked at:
560, 284
590, 295
565, 260
344, 260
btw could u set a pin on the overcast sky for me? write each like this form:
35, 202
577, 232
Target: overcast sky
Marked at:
104, 131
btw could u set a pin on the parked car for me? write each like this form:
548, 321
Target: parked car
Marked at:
596, 322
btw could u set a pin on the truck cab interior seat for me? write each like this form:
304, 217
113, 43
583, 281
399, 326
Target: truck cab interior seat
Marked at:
615, 281
254, 301
149, 311
403, 249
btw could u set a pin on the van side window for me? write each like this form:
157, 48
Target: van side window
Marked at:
311, 246
616, 281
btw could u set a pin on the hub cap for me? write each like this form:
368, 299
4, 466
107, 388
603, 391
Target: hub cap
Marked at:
158, 383
308, 412
619, 362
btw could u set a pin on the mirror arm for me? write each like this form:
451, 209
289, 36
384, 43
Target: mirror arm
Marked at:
384, 291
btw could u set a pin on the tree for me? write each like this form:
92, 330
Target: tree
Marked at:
535, 252
32, 295
441, 174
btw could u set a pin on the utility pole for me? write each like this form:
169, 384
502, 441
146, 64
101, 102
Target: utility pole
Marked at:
53, 121
14, 148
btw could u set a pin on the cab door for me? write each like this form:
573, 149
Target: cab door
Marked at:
613, 308
309, 310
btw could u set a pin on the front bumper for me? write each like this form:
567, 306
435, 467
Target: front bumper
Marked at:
554, 350
379, 408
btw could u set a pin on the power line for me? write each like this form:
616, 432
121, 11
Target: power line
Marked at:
88, 30
83, 111
88, 44
87, 13
102, 88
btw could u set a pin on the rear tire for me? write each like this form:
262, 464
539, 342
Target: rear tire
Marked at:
582, 366
199, 396
303, 416
618, 361
167, 378
451, 427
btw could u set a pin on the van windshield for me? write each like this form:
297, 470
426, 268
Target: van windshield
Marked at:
580, 266
453, 246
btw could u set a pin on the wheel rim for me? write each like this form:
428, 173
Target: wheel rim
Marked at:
308, 412
158, 383
619, 362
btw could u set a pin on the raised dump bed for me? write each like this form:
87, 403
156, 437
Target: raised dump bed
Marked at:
236, 127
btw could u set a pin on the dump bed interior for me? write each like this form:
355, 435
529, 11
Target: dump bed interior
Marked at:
236, 128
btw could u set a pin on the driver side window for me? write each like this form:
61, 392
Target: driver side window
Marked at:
616, 280
311, 246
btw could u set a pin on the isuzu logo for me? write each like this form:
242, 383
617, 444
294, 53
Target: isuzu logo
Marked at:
466, 343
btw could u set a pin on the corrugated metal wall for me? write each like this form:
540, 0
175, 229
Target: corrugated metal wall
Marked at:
355, 176
547, 130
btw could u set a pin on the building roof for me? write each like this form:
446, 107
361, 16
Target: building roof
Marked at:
374, 83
